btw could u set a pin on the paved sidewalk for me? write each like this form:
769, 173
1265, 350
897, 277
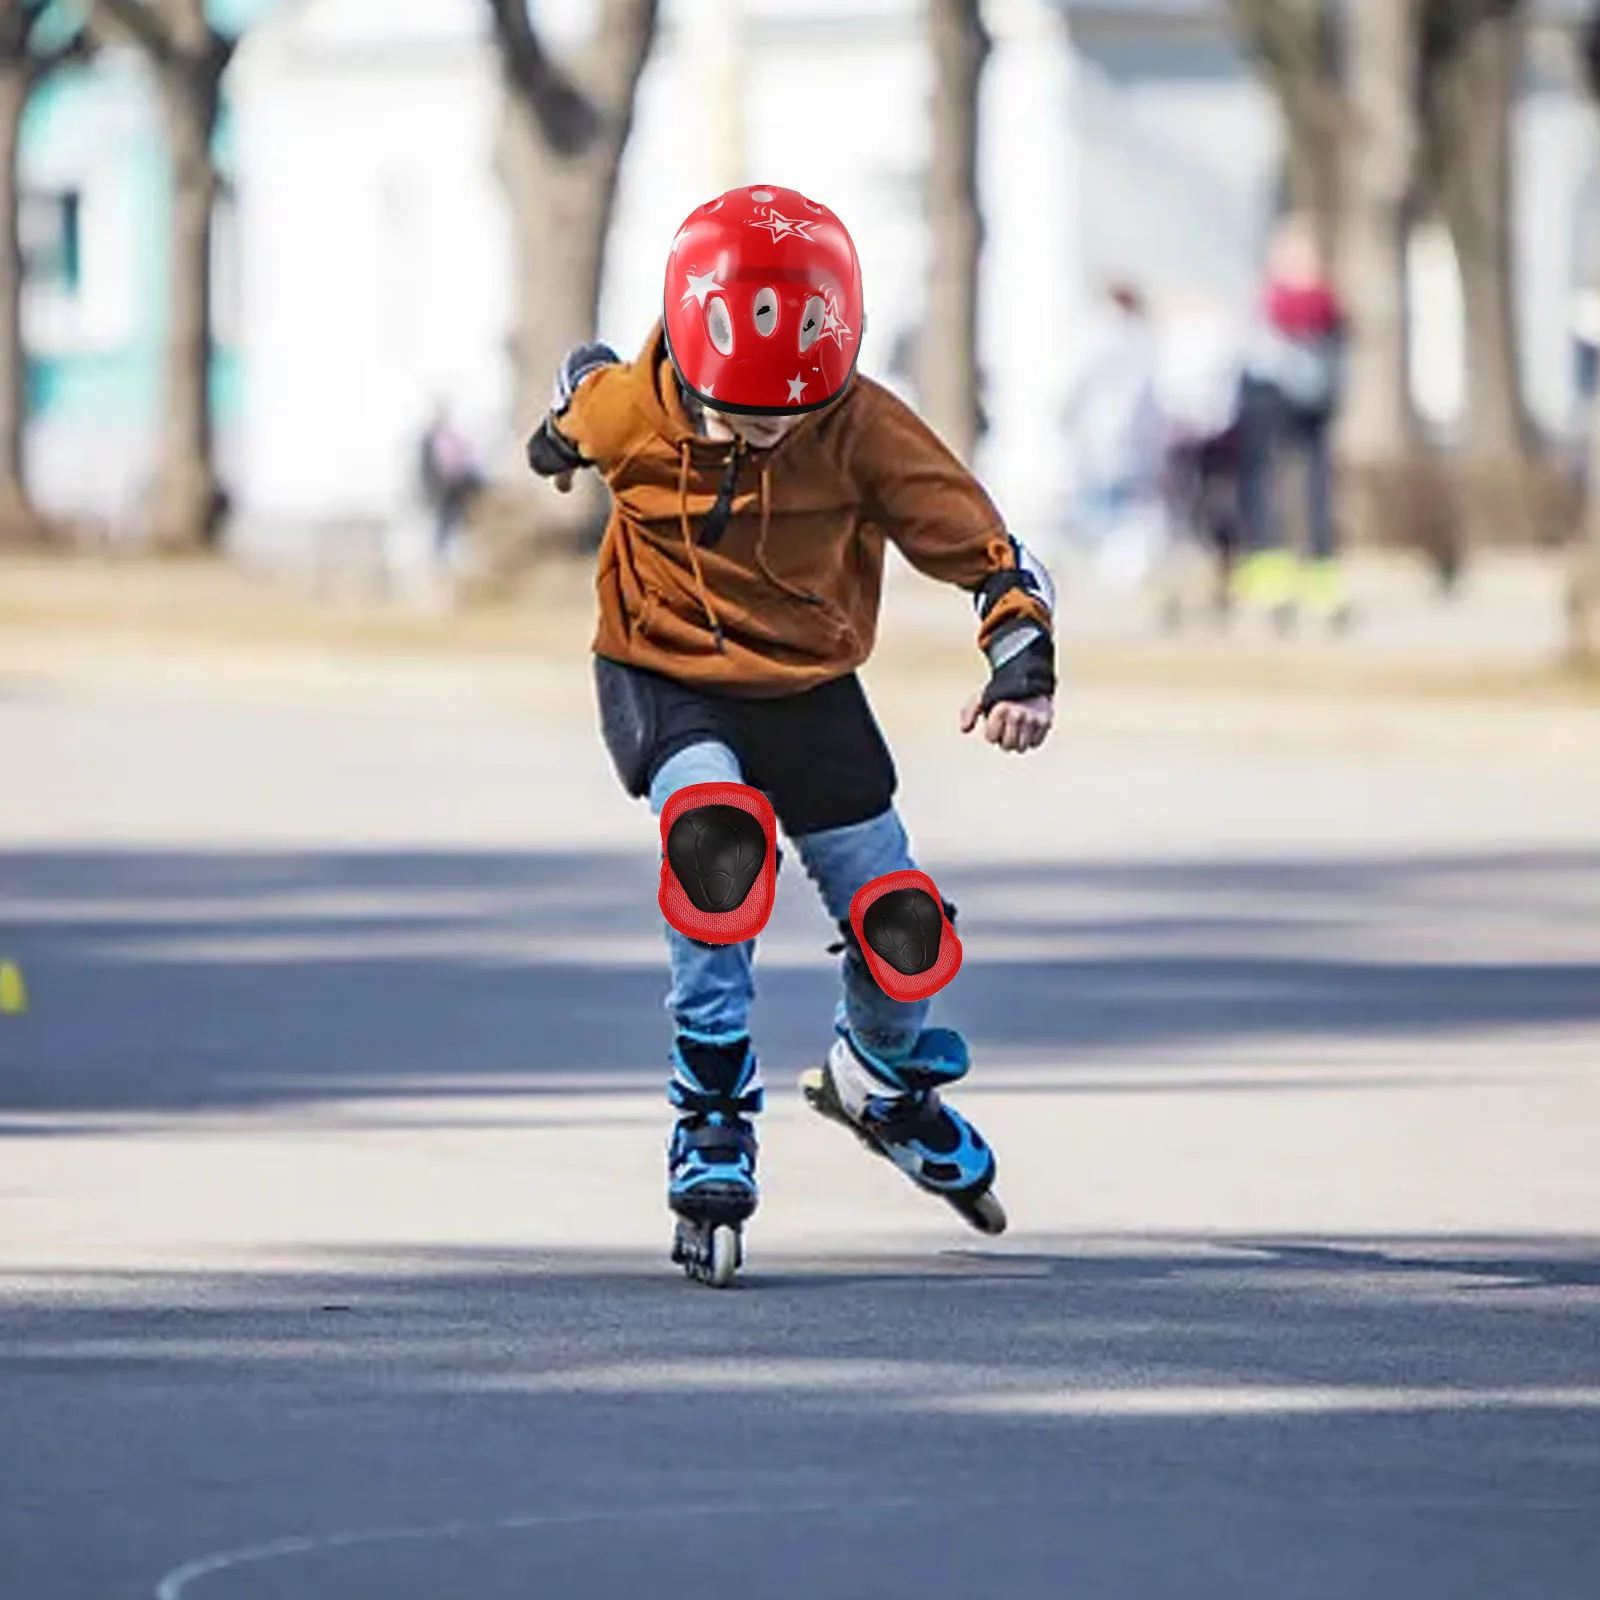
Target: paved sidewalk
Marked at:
331, 1222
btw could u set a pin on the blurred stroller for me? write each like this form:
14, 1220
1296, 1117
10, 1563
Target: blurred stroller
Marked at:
1203, 509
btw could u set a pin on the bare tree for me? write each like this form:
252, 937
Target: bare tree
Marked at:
1295, 47
1345, 78
1390, 487
563, 131
947, 351
187, 58
1472, 52
1583, 590
29, 52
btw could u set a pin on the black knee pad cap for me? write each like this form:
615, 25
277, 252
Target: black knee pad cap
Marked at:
904, 934
717, 853
719, 845
905, 927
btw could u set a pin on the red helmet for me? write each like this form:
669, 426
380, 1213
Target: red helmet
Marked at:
762, 304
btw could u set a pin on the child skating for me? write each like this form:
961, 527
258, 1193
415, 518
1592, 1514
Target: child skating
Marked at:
755, 479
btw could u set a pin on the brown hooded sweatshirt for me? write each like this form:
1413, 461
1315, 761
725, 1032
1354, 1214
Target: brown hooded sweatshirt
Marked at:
788, 596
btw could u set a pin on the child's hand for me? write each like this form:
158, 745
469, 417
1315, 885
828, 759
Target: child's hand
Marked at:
1015, 725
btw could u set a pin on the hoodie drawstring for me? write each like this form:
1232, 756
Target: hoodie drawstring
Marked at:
794, 593
714, 529
702, 592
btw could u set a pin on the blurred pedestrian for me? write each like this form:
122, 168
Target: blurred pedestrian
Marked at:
1118, 438
452, 478
1290, 398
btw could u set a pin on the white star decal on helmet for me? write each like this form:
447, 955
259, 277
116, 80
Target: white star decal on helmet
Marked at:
833, 325
797, 387
780, 225
700, 285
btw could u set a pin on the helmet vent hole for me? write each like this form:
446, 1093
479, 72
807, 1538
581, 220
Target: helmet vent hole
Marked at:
765, 312
719, 325
811, 322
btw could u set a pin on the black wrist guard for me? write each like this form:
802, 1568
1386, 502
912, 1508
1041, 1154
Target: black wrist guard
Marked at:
1022, 665
549, 453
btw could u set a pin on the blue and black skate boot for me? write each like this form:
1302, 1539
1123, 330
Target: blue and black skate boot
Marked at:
711, 1159
897, 1113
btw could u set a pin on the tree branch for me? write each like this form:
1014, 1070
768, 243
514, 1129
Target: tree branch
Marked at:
566, 117
14, 25
21, 45
137, 22
71, 51
1296, 52
1589, 48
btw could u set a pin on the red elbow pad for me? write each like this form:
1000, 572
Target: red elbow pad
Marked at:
719, 862
906, 938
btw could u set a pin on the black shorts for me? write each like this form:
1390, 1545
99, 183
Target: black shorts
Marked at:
820, 755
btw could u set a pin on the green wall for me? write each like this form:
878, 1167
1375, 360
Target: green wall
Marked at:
122, 385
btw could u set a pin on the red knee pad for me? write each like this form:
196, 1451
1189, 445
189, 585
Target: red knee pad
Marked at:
719, 862
905, 937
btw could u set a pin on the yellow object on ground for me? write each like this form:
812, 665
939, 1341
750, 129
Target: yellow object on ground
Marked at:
1322, 588
13, 991
1266, 579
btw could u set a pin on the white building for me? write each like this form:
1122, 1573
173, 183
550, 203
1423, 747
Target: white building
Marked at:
377, 256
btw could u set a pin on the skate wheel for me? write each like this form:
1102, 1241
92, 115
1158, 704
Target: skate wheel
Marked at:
708, 1255
726, 1255
984, 1212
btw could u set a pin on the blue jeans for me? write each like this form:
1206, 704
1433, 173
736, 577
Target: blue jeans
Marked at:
713, 985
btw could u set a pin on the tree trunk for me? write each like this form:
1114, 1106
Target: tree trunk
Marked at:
1389, 492
1470, 89
560, 213
1583, 579
947, 358
185, 497
561, 204
17, 519
1293, 44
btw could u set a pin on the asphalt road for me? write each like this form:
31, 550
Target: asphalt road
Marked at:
332, 1249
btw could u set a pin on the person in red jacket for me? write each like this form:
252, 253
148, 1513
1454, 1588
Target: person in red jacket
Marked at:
1290, 398
756, 480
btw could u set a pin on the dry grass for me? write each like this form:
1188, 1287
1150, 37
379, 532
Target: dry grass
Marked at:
204, 602
50, 604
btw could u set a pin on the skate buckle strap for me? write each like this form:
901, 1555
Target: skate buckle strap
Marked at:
900, 1118
719, 1140
700, 1103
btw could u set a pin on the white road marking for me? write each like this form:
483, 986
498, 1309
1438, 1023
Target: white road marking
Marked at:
1264, 1400
178, 1582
